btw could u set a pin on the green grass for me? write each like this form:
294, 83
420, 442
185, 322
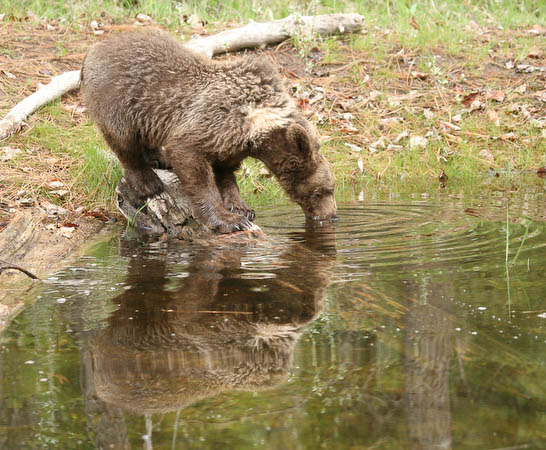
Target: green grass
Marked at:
79, 153
99, 174
438, 18
450, 41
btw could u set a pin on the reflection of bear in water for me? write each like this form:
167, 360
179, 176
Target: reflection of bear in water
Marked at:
166, 348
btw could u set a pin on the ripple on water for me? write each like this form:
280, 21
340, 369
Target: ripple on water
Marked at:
192, 333
412, 235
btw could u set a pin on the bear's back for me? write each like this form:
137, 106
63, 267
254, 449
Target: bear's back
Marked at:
148, 83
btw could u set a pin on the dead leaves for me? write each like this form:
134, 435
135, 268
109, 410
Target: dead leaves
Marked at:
8, 74
529, 68
143, 19
57, 188
360, 164
416, 141
440, 122
469, 98
9, 153
414, 24
536, 53
536, 30
498, 96
397, 100
74, 108
196, 23
486, 154
66, 229
96, 27
493, 117
379, 144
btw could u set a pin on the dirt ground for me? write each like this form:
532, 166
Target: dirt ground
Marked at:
30, 54
30, 243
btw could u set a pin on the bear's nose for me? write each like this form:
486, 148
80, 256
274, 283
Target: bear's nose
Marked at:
326, 209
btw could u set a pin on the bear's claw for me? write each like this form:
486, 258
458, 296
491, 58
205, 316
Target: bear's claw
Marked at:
245, 212
239, 224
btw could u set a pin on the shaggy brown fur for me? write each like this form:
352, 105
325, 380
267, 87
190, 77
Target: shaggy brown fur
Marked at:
159, 104
162, 352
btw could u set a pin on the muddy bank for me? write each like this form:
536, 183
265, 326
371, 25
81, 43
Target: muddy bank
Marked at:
32, 242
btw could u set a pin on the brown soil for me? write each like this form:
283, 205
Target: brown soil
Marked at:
31, 242
31, 238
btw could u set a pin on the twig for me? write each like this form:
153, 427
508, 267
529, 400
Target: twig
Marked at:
4, 265
348, 66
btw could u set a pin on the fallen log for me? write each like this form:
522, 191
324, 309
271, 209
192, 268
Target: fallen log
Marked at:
256, 34
57, 87
165, 216
251, 35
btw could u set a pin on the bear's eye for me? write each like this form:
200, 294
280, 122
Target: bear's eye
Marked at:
321, 191
316, 194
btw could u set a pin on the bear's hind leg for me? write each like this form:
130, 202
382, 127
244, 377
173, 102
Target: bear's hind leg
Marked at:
231, 196
138, 172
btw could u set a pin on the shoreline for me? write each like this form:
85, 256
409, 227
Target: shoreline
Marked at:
37, 246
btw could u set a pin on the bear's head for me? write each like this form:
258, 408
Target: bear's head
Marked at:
304, 173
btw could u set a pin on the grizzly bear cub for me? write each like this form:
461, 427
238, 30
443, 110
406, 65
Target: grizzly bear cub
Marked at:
158, 104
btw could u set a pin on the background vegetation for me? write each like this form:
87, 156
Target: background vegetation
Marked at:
442, 92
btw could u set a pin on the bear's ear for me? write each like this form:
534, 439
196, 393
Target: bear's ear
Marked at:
299, 137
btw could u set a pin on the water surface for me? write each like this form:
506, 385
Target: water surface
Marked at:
414, 322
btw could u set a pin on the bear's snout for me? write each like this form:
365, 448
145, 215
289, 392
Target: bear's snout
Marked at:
324, 209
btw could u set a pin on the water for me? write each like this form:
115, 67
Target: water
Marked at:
407, 324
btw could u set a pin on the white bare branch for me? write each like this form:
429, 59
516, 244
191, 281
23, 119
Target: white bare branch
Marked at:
256, 34
58, 86
251, 35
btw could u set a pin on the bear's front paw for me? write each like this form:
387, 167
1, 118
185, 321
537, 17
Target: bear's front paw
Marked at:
243, 210
232, 223
239, 206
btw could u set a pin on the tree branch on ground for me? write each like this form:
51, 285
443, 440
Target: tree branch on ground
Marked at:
251, 35
5, 265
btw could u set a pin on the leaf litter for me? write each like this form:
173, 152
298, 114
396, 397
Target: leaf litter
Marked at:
367, 107
447, 109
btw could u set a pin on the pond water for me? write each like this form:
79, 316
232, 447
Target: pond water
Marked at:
414, 322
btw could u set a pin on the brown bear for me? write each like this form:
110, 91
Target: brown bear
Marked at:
159, 104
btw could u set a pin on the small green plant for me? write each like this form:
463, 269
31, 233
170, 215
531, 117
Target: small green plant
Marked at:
507, 266
526, 232
61, 49
132, 220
